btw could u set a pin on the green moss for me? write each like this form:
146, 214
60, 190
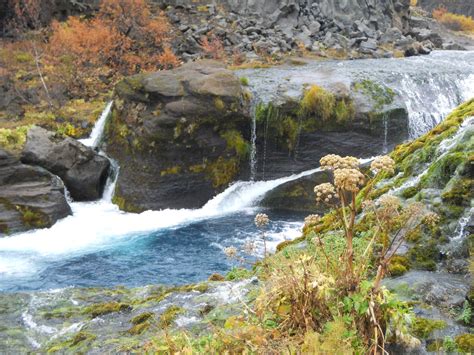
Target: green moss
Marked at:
101, 309
289, 129
173, 170
381, 95
459, 192
78, 341
222, 171
319, 102
141, 318
398, 265
32, 217
201, 287
139, 328
13, 139
465, 343
236, 143
169, 316
82, 336
24, 57
443, 170
244, 81
236, 274
424, 256
219, 104
344, 110
410, 192
423, 327
125, 205
131, 87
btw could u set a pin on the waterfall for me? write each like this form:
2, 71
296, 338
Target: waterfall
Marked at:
97, 132
429, 86
253, 138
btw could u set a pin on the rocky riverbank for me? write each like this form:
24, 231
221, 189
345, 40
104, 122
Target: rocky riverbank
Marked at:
123, 319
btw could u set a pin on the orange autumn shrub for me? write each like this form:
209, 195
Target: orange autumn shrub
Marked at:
453, 21
90, 42
212, 48
134, 19
123, 39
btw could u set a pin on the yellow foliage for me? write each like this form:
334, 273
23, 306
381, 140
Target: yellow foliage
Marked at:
318, 101
452, 21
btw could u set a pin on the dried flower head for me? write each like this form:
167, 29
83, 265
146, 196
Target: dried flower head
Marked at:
249, 247
390, 202
325, 192
368, 205
414, 210
334, 162
312, 220
348, 179
383, 163
261, 220
431, 219
231, 252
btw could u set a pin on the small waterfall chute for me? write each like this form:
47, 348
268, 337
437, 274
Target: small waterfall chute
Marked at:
97, 133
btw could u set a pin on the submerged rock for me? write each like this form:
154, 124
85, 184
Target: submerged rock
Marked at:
30, 196
98, 320
83, 171
179, 136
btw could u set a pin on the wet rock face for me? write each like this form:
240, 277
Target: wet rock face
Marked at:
83, 170
179, 136
30, 196
297, 195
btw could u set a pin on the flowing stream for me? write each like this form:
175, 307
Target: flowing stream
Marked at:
99, 245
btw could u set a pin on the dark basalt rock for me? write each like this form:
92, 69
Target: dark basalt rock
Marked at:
30, 196
83, 171
179, 136
297, 195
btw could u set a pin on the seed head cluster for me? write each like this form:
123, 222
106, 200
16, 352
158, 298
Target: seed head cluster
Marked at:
368, 205
231, 252
261, 220
431, 219
325, 192
312, 220
389, 201
335, 162
348, 179
383, 163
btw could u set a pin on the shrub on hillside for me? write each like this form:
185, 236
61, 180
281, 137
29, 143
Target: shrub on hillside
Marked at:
453, 21
123, 39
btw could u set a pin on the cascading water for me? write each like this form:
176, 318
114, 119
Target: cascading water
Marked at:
159, 246
95, 137
253, 139
430, 86
99, 227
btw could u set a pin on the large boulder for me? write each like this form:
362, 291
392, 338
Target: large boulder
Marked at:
30, 196
83, 171
179, 136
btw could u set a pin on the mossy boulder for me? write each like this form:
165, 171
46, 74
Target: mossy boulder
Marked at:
294, 132
30, 196
179, 136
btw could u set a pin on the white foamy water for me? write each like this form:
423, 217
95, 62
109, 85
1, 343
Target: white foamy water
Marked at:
102, 224
96, 135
